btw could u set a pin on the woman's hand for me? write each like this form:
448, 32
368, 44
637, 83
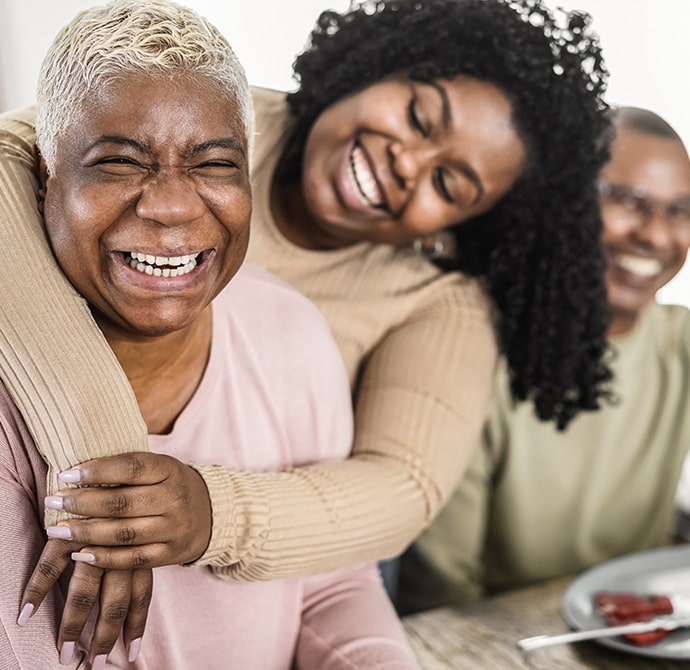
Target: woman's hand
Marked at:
123, 597
145, 510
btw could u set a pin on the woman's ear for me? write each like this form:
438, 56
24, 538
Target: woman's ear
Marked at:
42, 173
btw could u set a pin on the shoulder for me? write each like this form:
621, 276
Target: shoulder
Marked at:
265, 288
670, 325
272, 118
16, 443
17, 133
458, 301
268, 100
276, 312
466, 292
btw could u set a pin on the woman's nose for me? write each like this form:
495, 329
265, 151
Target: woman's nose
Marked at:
408, 160
170, 198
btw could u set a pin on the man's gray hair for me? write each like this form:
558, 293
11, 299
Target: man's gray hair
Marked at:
131, 37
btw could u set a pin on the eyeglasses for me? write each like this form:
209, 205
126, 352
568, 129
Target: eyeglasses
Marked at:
637, 209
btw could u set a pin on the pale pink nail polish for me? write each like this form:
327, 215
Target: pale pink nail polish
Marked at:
72, 476
134, 649
83, 556
99, 662
66, 653
53, 502
25, 614
59, 532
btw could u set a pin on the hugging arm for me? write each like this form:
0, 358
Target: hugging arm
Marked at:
55, 363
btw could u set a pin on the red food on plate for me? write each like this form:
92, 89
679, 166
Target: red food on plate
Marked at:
619, 608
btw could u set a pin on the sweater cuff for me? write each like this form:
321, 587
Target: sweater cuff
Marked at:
239, 522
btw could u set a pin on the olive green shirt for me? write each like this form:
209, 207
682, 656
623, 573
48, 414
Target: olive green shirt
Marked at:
536, 503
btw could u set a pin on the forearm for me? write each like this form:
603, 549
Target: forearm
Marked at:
311, 520
55, 362
331, 515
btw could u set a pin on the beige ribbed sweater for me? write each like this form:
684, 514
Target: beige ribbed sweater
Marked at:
419, 350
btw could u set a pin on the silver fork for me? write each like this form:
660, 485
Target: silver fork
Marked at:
670, 622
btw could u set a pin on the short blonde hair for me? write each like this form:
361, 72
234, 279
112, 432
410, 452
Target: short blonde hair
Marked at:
156, 37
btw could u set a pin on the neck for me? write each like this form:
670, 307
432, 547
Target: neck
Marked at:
164, 371
622, 323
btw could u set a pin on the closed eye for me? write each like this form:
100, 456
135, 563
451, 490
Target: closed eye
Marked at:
679, 211
441, 185
216, 168
413, 116
121, 165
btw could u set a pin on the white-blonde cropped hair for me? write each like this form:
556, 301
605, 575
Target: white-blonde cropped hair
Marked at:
154, 37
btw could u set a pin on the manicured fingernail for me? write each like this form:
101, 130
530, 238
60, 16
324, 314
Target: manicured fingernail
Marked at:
83, 556
72, 476
99, 662
66, 653
25, 614
54, 502
134, 649
59, 532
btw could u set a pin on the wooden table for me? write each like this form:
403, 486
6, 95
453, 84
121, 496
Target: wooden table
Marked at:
483, 636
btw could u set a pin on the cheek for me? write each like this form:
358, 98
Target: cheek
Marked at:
234, 210
57, 222
428, 214
72, 227
681, 257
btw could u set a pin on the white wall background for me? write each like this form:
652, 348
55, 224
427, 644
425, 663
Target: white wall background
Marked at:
648, 52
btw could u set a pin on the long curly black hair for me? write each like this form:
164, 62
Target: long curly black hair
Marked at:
538, 250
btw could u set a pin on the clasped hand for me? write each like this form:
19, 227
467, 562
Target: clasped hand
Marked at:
143, 511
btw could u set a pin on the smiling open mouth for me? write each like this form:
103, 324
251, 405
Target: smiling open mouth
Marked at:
364, 179
162, 266
642, 267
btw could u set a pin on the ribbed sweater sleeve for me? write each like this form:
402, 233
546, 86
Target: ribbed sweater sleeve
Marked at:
55, 363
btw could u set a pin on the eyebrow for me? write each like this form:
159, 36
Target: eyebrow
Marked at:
143, 147
446, 121
446, 117
221, 143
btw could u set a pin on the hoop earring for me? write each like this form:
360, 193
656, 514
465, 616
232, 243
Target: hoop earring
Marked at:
431, 246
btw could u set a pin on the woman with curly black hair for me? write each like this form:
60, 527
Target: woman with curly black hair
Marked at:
467, 128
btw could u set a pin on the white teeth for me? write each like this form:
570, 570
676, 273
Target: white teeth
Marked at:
175, 266
162, 260
363, 178
643, 267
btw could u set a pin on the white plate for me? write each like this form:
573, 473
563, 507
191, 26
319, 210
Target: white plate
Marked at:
664, 571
